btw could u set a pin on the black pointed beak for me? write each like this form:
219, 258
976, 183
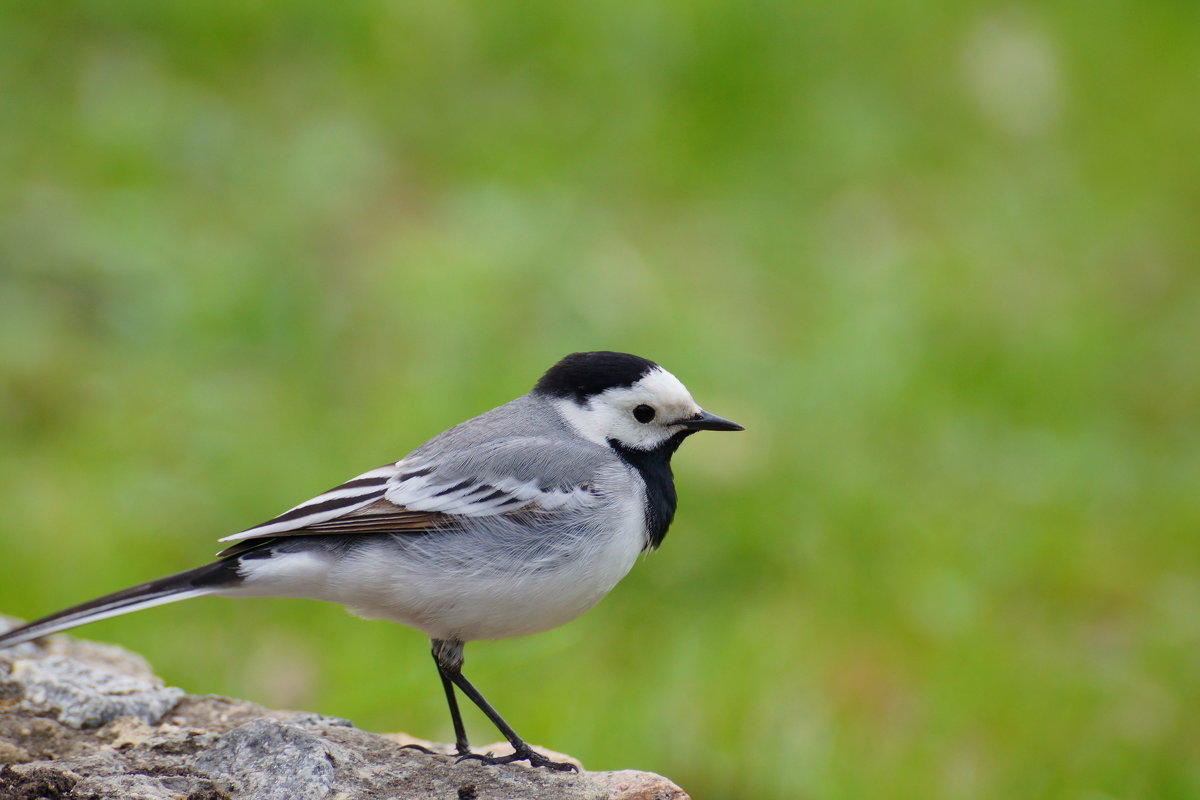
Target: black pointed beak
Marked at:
705, 421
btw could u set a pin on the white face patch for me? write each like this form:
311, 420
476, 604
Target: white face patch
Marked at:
610, 414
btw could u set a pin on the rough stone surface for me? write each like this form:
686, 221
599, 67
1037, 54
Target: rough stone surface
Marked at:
81, 696
85, 720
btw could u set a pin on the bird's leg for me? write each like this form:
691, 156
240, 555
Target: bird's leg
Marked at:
449, 657
439, 647
447, 651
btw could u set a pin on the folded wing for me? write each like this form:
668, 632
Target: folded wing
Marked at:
417, 495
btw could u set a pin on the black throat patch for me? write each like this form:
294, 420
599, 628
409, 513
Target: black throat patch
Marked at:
655, 468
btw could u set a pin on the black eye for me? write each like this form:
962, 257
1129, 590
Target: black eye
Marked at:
643, 413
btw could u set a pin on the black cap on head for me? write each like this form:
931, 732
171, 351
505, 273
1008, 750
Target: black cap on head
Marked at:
580, 376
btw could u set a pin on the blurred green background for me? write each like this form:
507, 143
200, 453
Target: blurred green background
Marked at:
939, 258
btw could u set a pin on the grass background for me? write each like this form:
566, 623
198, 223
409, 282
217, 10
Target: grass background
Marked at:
940, 258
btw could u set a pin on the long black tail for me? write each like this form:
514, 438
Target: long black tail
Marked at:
192, 583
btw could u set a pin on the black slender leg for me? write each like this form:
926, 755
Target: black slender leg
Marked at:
449, 658
460, 731
521, 750
441, 651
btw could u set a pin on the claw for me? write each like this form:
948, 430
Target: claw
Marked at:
473, 757
535, 759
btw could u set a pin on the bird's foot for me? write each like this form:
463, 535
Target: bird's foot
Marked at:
459, 749
525, 753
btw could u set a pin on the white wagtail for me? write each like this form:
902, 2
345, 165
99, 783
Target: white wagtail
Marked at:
513, 522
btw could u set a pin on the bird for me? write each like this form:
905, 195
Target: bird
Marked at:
510, 523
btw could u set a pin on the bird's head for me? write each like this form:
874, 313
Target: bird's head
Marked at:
625, 400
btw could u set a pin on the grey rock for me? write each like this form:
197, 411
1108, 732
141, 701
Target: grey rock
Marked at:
81, 696
84, 720
274, 761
